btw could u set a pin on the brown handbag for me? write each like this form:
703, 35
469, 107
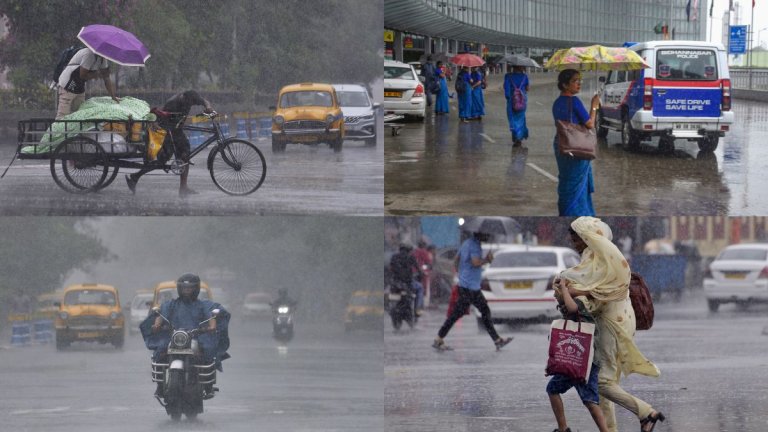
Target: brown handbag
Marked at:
642, 302
576, 140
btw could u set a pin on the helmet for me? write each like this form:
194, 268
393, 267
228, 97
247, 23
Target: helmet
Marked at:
186, 281
406, 246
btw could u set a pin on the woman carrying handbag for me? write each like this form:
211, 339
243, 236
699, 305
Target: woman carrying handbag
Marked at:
575, 182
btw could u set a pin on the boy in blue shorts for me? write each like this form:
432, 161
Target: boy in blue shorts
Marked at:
573, 309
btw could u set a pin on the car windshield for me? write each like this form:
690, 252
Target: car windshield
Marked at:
353, 99
367, 300
744, 255
306, 98
140, 302
398, 72
525, 259
89, 297
678, 64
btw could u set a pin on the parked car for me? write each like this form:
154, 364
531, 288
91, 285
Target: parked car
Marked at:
256, 306
403, 91
90, 313
739, 274
166, 290
307, 113
365, 310
685, 94
518, 283
139, 309
359, 112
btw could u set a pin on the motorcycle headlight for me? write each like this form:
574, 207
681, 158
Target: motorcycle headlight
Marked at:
279, 120
329, 119
180, 339
283, 309
63, 315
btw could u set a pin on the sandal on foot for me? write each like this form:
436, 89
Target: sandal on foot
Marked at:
501, 342
440, 345
652, 420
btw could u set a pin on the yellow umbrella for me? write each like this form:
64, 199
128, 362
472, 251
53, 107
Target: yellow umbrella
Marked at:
596, 58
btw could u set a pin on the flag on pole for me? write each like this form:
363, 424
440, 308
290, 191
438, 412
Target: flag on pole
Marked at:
688, 10
711, 6
730, 5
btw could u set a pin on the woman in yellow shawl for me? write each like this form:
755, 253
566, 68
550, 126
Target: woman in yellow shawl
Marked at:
603, 276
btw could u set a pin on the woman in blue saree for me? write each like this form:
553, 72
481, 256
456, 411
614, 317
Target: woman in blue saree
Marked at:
478, 102
575, 183
441, 102
465, 97
516, 79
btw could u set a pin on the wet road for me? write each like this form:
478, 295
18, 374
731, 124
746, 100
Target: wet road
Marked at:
321, 381
443, 166
303, 180
711, 375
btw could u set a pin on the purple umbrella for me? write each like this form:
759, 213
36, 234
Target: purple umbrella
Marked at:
114, 44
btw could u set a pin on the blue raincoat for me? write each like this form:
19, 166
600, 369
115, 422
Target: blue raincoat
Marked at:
575, 183
187, 316
441, 102
478, 102
516, 118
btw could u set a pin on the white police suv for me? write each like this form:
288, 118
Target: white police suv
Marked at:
685, 94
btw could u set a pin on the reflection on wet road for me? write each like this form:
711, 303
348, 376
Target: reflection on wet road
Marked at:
443, 166
709, 365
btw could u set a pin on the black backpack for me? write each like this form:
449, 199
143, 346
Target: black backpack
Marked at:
64, 58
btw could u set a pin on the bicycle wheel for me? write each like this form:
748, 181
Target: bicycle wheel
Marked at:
237, 167
79, 165
111, 175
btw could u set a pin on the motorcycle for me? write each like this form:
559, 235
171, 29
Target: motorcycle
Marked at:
282, 322
185, 382
402, 303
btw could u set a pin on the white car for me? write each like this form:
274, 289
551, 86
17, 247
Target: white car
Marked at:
359, 113
403, 91
518, 283
139, 310
739, 274
256, 306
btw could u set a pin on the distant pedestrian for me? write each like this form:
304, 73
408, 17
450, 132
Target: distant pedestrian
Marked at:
516, 85
573, 309
575, 183
469, 262
429, 74
602, 278
478, 101
441, 102
464, 93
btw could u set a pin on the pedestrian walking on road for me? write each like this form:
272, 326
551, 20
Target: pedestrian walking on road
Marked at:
478, 102
430, 75
573, 309
575, 183
441, 102
470, 263
516, 86
464, 92
602, 278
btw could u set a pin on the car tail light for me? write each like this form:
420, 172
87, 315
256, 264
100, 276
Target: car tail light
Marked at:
550, 283
419, 91
763, 273
485, 285
648, 94
726, 86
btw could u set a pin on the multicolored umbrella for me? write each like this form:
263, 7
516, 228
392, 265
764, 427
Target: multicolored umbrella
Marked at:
596, 58
114, 44
467, 59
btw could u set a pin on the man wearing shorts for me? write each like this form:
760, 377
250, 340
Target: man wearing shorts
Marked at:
84, 66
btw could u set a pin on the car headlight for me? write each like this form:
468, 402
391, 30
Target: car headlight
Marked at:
180, 339
279, 120
367, 117
63, 315
283, 309
329, 119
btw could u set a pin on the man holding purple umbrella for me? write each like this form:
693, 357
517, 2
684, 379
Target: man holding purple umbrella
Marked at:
84, 66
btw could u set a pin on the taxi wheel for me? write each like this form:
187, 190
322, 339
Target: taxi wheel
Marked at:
336, 144
278, 146
713, 305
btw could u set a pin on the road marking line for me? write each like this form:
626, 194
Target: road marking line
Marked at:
542, 172
487, 138
539, 103
497, 418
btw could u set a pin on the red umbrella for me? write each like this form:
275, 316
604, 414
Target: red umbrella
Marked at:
466, 59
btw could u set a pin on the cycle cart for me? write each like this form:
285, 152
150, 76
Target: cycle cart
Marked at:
86, 155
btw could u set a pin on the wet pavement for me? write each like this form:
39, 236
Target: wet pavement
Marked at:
322, 381
711, 375
303, 180
442, 166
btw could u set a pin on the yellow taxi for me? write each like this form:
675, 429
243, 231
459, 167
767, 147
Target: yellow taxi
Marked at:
165, 291
307, 113
89, 312
365, 310
46, 305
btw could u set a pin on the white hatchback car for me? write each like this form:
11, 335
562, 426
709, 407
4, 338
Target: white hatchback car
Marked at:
518, 283
739, 274
139, 310
359, 113
403, 91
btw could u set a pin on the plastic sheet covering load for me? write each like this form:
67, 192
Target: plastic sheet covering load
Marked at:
83, 122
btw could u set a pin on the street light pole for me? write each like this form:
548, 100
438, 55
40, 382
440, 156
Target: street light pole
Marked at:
758, 35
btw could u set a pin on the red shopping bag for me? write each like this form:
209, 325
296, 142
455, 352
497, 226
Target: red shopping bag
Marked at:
571, 349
